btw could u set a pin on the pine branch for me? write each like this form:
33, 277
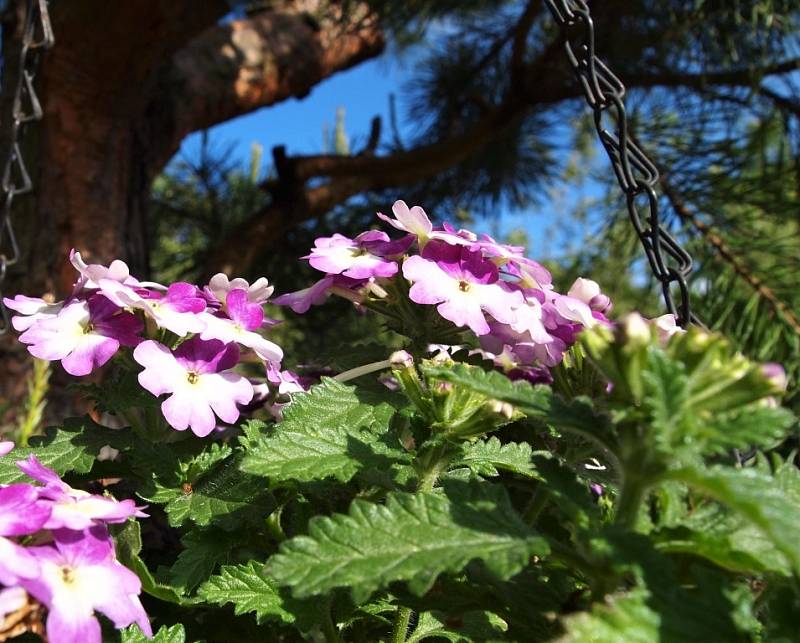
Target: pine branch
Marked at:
725, 253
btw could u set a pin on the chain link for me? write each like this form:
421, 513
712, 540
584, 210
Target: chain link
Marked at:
15, 179
636, 174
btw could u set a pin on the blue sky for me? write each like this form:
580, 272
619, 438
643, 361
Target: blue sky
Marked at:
364, 92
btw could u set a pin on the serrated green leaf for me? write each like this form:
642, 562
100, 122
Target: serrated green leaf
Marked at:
769, 502
492, 384
413, 537
249, 589
73, 447
167, 471
485, 457
203, 550
334, 430
225, 497
459, 628
165, 634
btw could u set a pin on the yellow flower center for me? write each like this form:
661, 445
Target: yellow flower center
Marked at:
463, 286
67, 575
192, 377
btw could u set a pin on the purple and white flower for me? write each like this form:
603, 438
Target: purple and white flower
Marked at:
244, 317
199, 381
80, 575
462, 284
84, 335
75, 508
364, 257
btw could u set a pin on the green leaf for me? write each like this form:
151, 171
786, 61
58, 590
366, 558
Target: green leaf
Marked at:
724, 538
172, 634
625, 619
225, 497
118, 393
769, 502
73, 447
413, 537
485, 457
203, 550
492, 384
334, 430
570, 496
128, 541
459, 628
249, 589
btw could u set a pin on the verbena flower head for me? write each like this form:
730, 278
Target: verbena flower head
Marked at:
199, 381
80, 575
84, 335
75, 508
475, 282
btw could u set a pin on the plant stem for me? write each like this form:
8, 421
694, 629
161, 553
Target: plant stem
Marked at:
401, 624
629, 502
329, 628
537, 502
362, 370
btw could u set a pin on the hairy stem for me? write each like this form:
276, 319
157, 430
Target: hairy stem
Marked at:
400, 629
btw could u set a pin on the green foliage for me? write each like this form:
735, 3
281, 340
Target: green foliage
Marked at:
174, 634
485, 457
334, 430
413, 537
249, 589
71, 448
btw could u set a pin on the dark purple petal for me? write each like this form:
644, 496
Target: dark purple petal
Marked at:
248, 315
207, 356
89, 546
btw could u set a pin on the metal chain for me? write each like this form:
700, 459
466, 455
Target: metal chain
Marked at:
15, 179
637, 175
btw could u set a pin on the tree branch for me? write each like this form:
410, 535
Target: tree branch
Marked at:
232, 69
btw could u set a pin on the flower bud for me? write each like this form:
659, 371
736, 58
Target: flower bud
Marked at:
635, 330
401, 359
776, 374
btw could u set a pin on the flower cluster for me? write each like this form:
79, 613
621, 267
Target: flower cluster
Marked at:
506, 299
187, 338
55, 546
